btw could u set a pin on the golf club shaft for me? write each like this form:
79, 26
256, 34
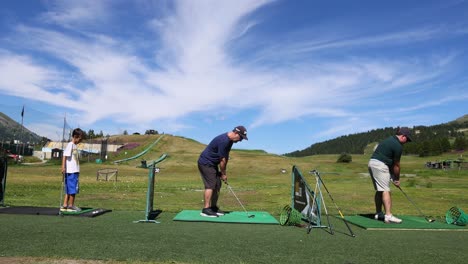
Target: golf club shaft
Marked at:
61, 192
331, 198
230, 189
415, 206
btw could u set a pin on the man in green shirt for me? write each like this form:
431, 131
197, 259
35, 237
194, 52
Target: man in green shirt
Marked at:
384, 166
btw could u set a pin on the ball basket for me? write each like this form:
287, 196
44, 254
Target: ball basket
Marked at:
290, 216
456, 216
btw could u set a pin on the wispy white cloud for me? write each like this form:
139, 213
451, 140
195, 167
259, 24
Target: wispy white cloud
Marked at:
295, 49
434, 102
187, 67
22, 77
116, 75
72, 14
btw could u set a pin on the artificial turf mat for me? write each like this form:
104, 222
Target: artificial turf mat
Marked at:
368, 222
33, 210
230, 217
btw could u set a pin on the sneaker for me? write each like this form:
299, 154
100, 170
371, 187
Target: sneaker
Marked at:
63, 208
392, 219
208, 212
218, 211
73, 209
379, 216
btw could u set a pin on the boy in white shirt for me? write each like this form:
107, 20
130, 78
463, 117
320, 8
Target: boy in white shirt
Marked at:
71, 171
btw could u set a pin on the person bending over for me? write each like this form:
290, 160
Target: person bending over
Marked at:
212, 165
384, 167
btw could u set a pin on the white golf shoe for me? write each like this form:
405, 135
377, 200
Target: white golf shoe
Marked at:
392, 219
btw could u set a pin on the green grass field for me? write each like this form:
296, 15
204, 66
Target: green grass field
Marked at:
257, 179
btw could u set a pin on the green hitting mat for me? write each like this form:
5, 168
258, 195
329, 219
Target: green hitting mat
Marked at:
368, 222
260, 217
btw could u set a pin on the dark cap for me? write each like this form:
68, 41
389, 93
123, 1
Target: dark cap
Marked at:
405, 132
241, 131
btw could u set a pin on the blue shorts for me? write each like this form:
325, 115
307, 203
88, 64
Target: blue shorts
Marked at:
72, 183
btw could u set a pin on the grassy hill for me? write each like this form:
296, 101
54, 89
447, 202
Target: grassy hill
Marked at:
461, 120
256, 178
256, 175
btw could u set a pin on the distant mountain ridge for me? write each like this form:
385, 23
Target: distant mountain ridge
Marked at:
11, 130
428, 140
354, 144
461, 120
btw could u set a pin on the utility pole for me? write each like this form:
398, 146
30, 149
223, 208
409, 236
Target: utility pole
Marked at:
22, 129
63, 132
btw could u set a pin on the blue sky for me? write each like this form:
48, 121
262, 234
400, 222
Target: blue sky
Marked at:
293, 72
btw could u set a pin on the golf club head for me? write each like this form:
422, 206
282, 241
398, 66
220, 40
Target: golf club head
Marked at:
430, 220
251, 216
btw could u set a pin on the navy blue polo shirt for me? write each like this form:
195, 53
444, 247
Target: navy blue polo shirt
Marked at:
218, 148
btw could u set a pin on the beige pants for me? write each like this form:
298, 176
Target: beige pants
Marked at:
380, 175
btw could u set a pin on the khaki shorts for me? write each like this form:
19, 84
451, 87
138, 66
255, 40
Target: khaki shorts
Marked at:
380, 175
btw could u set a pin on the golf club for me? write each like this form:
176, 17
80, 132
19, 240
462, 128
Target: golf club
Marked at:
230, 189
331, 198
430, 220
61, 192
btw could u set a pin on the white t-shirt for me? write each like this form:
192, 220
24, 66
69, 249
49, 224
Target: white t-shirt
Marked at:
72, 162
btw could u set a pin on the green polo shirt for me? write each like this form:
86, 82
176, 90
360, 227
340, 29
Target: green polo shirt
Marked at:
388, 151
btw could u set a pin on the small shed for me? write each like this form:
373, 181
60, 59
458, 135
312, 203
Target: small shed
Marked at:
57, 154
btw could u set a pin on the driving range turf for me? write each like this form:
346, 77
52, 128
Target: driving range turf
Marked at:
257, 179
114, 236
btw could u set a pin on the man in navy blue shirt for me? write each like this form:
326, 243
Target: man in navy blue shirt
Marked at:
212, 165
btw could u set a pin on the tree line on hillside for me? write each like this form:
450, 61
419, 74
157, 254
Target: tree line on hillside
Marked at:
427, 141
90, 134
